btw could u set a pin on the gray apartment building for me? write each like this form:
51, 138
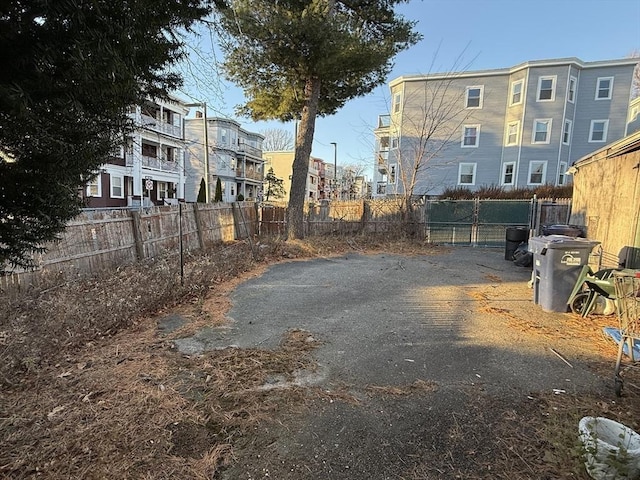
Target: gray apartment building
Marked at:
514, 127
223, 151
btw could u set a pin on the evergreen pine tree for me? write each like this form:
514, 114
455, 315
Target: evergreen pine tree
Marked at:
202, 193
218, 195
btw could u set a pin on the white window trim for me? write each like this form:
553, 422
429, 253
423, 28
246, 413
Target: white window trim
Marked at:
460, 166
480, 100
575, 89
397, 101
395, 142
553, 78
121, 177
564, 130
504, 171
533, 132
159, 190
98, 181
513, 84
562, 173
464, 128
610, 88
604, 132
393, 178
544, 171
517, 125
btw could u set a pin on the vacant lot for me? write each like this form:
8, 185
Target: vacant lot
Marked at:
337, 359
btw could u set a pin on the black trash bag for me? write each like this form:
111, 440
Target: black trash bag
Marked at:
522, 256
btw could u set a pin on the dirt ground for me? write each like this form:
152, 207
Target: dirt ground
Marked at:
129, 400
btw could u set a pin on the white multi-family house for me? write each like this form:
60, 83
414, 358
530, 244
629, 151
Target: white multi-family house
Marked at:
148, 169
515, 127
223, 151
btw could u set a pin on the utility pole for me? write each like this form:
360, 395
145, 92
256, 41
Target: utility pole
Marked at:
206, 154
335, 167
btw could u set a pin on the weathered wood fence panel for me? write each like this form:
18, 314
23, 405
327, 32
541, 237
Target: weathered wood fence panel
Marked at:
382, 216
335, 217
102, 239
273, 220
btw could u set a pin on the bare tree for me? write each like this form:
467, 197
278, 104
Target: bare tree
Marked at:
428, 119
277, 140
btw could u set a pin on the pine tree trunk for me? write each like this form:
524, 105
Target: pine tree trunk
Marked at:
297, 197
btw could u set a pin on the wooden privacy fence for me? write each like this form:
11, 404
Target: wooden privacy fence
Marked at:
103, 239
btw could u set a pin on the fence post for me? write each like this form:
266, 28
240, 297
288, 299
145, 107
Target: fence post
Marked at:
198, 220
137, 234
366, 214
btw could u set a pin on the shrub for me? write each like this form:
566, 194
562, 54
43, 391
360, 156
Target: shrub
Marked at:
498, 192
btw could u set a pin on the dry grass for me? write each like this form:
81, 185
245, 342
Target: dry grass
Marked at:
91, 390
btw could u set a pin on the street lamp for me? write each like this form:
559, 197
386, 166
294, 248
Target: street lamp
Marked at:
335, 167
207, 191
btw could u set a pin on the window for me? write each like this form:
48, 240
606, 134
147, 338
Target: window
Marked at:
546, 89
571, 94
171, 154
566, 132
467, 174
397, 100
537, 173
541, 130
117, 186
512, 133
598, 130
394, 142
224, 136
604, 88
163, 190
474, 97
470, 136
516, 92
508, 173
392, 174
94, 187
562, 173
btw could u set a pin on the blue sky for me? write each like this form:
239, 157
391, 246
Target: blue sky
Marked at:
487, 34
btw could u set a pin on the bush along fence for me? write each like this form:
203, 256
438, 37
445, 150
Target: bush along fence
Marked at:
103, 239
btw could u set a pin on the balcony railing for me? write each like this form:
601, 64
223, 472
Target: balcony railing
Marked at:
249, 173
253, 151
160, 126
155, 163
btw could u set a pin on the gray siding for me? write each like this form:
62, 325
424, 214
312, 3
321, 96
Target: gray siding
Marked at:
588, 109
496, 113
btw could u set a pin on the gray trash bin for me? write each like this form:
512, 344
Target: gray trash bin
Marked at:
557, 262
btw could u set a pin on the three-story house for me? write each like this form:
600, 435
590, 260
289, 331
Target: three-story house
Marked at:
515, 127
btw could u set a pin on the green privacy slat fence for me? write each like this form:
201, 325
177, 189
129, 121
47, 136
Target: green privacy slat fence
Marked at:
474, 222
